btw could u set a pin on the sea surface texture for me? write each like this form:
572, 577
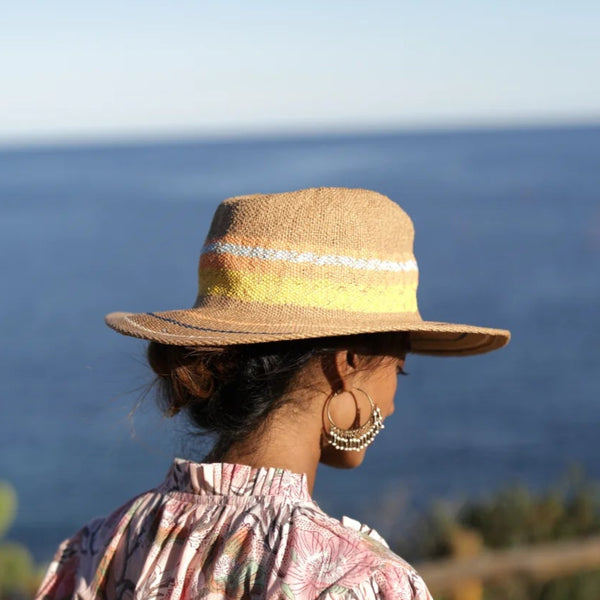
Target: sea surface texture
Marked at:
508, 235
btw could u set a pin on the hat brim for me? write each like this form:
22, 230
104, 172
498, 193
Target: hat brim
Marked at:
199, 327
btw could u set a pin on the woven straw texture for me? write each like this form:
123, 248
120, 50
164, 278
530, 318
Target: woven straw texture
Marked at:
305, 264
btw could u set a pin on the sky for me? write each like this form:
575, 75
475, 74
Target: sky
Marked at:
133, 69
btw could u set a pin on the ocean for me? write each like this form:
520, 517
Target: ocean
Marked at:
507, 235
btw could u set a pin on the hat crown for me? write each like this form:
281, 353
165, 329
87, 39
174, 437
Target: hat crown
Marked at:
333, 249
352, 222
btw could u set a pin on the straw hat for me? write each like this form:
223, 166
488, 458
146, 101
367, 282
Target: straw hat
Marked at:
312, 263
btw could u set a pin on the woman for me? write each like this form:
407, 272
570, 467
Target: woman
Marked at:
305, 313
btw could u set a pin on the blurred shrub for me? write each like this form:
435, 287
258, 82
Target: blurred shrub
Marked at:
19, 577
517, 516
8, 507
510, 517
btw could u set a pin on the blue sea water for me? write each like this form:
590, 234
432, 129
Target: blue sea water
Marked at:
508, 235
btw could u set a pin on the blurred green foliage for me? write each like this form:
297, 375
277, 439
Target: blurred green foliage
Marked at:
8, 507
516, 516
19, 576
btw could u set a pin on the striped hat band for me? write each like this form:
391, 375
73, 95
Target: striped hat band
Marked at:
252, 273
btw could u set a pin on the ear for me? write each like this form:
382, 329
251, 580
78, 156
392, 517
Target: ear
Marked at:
339, 369
345, 362
352, 359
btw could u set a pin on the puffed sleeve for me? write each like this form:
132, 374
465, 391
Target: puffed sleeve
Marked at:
60, 580
392, 584
71, 565
395, 580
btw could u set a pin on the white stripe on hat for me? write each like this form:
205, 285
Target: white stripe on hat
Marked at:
364, 264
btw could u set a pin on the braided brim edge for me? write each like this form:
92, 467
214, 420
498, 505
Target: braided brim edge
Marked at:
427, 337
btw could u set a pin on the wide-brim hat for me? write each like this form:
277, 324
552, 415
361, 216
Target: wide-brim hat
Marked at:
312, 263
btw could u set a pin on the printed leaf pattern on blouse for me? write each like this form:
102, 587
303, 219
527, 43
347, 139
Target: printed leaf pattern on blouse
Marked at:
215, 531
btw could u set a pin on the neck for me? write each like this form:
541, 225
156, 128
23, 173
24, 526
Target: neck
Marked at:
286, 444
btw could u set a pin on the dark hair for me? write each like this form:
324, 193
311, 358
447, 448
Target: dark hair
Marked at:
231, 391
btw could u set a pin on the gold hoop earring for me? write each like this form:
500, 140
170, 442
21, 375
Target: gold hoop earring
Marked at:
358, 436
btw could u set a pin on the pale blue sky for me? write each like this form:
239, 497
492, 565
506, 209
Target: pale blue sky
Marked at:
133, 69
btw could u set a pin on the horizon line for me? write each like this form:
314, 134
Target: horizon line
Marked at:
244, 134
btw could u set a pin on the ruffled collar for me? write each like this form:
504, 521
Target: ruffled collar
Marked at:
225, 479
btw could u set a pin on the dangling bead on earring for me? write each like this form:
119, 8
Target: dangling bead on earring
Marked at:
358, 436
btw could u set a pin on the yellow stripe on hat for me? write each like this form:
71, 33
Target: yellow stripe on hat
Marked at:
316, 293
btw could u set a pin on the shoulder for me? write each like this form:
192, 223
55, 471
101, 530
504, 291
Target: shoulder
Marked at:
394, 577
63, 573
355, 562
77, 559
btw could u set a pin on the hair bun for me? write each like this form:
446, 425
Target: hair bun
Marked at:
186, 376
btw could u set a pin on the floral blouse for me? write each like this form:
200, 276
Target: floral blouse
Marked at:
227, 531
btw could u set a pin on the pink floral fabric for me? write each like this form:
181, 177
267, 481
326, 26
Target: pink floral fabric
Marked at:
215, 531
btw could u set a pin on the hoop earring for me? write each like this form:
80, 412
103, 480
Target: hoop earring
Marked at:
358, 436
